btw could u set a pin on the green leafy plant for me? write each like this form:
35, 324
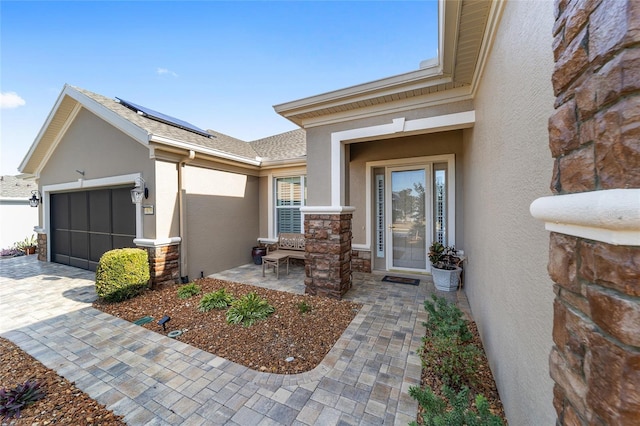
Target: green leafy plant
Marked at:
453, 361
122, 274
12, 401
217, 300
443, 257
445, 319
249, 309
435, 409
304, 307
188, 290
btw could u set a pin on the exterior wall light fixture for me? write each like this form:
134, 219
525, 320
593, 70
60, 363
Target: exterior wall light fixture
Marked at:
35, 199
139, 191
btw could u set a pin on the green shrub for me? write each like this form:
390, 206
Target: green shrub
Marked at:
249, 309
446, 319
217, 300
435, 411
454, 362
304, 307
122, 274
14, 400
188, 290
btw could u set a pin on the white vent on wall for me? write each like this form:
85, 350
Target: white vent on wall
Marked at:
380, 215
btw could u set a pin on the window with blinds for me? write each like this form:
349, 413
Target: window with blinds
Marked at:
291, 194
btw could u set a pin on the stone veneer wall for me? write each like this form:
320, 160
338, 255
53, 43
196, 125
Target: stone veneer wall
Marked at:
42, 247
361, 261
328, 254
594, 138
164, 264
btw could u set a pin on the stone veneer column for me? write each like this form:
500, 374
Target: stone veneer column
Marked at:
42, 246
328, 254
164, 261
595, 141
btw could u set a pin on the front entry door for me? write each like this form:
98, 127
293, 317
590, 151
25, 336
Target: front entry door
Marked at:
407, 231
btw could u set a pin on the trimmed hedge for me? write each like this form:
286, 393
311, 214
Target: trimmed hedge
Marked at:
122, 274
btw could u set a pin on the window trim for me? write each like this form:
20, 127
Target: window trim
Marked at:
272, 215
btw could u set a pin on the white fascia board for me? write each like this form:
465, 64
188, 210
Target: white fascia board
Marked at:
611, 216
98, 109
59, 136
137, 133
409, 104
491, 30
197, 148
44, 127
361, 93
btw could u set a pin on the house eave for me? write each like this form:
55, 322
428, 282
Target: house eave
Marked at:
45, 143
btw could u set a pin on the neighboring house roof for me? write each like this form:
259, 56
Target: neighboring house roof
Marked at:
466, 32
15, 187
149, 131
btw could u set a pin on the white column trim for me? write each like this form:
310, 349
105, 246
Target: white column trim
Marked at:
158, 242
611, 216
440, 123
327, 209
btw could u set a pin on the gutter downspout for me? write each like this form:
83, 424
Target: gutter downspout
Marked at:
182, 212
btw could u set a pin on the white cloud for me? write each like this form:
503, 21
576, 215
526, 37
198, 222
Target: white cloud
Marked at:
9, 100
164, 71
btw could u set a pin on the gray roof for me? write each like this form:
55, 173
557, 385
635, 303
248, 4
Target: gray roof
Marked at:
14, 187
221, 142
284, 146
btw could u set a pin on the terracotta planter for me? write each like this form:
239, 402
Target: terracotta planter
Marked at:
30, 250
445, 279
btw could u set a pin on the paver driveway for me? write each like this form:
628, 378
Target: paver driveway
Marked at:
151, 379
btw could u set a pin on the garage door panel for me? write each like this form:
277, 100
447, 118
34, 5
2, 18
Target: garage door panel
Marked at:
79, 244
122, 241
61, 242
78, 209
122, 212
99, 244
86, 224
60, 211
79, 263
99, 214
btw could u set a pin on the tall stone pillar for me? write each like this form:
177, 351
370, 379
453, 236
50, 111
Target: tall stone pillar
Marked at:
594, 256
328, 252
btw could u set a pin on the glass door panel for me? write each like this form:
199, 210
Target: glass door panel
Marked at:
408, 224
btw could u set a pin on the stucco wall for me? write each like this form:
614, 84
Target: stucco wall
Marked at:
507, 165
319, 146
222, 219
167, 208
100, 150
396, 148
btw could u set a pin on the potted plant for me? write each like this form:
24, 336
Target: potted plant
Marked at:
444, 266
28, 245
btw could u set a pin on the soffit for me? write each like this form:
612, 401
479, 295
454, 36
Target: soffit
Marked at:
464, 24
49, 134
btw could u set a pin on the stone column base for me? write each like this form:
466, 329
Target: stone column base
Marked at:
164, 260
328, 253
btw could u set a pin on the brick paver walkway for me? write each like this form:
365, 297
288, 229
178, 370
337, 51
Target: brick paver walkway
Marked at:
151, 379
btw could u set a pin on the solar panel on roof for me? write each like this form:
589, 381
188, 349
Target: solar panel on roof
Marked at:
163, 118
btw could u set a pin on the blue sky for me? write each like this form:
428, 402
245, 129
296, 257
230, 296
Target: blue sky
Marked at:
218, 65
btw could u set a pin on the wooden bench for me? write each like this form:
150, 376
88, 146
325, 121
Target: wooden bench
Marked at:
288, 246
291, 245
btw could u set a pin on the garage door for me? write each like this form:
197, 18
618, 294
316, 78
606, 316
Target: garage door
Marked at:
86, 224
